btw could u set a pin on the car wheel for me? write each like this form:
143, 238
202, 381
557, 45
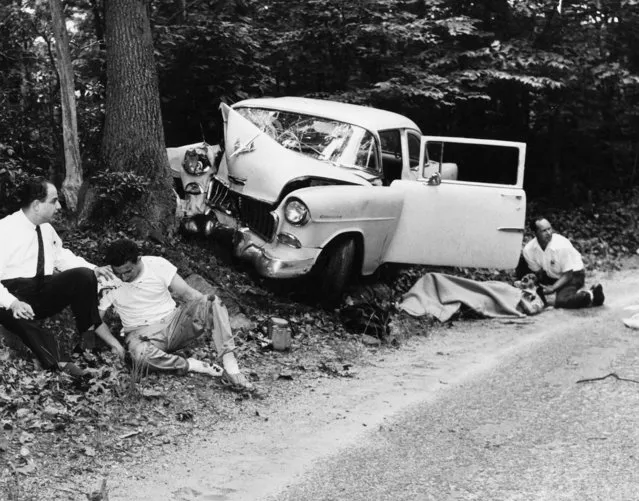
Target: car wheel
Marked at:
336, 270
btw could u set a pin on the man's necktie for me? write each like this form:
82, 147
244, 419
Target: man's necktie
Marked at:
40, 266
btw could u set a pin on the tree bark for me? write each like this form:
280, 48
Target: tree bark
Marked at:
73, 164
133, 137
180, 14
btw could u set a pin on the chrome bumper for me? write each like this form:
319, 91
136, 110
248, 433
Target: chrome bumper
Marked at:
298, 262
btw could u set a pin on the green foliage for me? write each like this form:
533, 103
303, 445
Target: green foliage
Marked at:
565, 82
12, 176
116, 190
201, 63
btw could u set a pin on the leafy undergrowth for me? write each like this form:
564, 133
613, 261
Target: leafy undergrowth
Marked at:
53, 427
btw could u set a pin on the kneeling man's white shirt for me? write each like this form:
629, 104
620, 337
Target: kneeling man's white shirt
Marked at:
144, 301
558, 258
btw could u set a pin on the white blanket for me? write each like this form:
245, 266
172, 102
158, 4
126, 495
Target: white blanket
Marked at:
441, 296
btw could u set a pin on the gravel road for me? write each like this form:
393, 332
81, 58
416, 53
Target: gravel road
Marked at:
484, 409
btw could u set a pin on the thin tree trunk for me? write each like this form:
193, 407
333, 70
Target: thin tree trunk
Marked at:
24, 86
73, 165
180, 7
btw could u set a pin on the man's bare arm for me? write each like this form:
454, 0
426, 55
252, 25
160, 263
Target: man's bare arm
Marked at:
183, 291
561, 281
104, 333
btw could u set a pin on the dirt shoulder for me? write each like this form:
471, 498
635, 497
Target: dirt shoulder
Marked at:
60, 439
269, 444
190, 438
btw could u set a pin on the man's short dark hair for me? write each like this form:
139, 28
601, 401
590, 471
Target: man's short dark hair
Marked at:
36, 188
122, 251
532, 222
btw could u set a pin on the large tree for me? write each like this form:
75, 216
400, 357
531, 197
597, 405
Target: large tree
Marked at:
133, 137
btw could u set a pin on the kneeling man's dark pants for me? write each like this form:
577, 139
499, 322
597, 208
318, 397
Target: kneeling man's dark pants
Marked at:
570, 295
47, 296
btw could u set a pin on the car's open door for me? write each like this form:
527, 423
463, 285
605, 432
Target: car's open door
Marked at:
475, 221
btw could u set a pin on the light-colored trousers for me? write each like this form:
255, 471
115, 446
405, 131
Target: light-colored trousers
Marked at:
152, 346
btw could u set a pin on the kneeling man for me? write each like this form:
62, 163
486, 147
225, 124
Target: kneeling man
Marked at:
154, 325
559, 268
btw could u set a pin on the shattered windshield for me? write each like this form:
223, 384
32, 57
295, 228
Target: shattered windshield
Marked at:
324, 139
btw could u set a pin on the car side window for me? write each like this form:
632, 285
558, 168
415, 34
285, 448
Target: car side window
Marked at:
391, 142
474, 162
414, 145
391, 155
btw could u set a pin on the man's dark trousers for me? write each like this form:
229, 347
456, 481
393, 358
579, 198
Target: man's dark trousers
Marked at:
570, 296
47, 296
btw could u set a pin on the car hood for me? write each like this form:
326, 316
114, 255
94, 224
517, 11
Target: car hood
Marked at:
258, 166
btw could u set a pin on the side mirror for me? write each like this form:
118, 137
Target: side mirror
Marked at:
434, 180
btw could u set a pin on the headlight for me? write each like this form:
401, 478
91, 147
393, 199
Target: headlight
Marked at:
193, 189
296, 212
195, 168
196, 162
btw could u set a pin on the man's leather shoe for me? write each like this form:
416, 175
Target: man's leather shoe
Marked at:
73, 370
597, 295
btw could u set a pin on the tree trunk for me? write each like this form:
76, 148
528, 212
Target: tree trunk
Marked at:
73, 166
180, 9
133, 137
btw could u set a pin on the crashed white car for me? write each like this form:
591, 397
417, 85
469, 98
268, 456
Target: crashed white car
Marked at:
335, 190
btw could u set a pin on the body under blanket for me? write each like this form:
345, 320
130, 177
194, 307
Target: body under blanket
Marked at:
442, 295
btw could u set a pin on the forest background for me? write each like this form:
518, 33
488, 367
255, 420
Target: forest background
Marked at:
560, 75
92, 91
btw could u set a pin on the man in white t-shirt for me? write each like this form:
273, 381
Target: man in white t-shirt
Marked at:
155, 326
559, 268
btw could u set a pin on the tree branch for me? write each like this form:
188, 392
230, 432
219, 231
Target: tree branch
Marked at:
612, 374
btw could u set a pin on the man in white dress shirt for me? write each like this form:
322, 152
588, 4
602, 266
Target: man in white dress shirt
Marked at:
30, 252
559, 268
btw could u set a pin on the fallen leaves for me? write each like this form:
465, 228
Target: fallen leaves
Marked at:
27, 468
151, 393
336, 369
45, 416
26, 437
185, 415
130, 434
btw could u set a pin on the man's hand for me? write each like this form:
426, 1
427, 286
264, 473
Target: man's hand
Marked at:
21, 309
119, 351
104, 333
547, 289
204, 367
104, 271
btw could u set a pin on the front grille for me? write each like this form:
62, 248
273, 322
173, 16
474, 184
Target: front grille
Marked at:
222, 198
257, 216
253, 214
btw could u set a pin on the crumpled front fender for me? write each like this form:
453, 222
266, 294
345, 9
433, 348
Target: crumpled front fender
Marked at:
273, 260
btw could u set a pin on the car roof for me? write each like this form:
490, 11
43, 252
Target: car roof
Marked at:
364, 116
